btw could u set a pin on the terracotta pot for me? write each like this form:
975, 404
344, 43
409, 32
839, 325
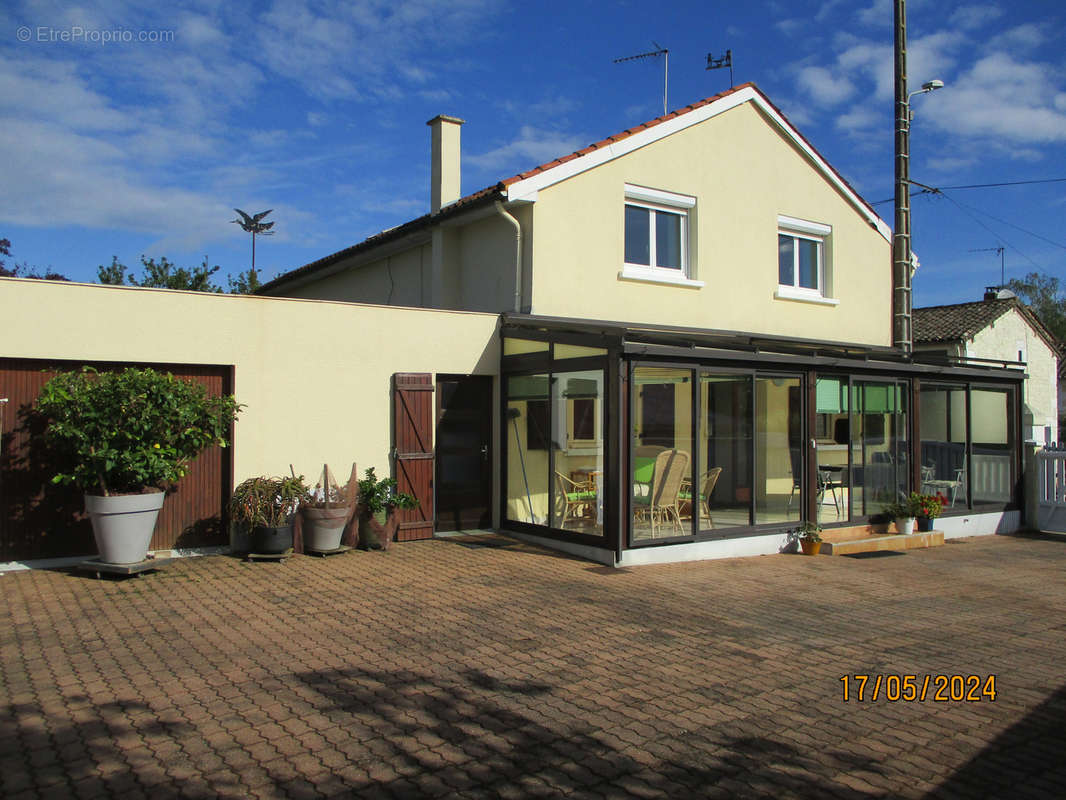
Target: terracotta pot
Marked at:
123, 525
810, 547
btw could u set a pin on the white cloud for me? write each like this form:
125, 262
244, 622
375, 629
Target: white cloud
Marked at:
974, 16
1022, 37
879, 15
531, 147
825, 87
1013, 101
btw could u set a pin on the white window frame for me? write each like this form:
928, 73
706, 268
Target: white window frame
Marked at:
672, 203
820, 233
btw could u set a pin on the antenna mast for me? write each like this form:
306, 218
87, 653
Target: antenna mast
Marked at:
659, 51
722, 61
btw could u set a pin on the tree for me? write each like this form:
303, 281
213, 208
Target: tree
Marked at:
167, 275
246, 282
164, 275
1044, 296
24, 270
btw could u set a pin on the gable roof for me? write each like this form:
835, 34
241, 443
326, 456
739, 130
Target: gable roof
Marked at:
961, 321
525, 185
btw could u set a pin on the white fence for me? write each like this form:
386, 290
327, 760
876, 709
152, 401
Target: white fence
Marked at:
1051, 490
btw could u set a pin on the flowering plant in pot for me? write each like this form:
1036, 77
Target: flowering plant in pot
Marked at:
927, 508
266, 507
378, 501
124, 438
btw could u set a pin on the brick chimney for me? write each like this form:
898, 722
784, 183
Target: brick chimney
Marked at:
444, 186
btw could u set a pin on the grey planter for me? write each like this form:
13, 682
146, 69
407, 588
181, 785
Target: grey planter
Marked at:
268, 541
123, 525
324, 527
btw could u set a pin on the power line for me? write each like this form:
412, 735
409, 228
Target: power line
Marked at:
979, 186
966, 211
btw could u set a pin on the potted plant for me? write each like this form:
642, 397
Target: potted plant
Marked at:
378, 501
929, 507
124, 438
904, 511
266, 506
810, 538
326, 513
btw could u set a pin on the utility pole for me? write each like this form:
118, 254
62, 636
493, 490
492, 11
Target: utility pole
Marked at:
901, 240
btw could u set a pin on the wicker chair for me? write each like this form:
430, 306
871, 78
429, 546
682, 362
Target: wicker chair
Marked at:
663, 500
707, 484
573, 499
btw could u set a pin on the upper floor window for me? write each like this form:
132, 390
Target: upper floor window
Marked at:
657, 236
802, 258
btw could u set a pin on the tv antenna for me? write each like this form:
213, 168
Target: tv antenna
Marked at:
1002, 268
658, 51
720, 62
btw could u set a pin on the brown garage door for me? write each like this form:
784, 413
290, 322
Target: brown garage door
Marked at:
39, 520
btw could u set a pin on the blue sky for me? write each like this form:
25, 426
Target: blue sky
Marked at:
145, 143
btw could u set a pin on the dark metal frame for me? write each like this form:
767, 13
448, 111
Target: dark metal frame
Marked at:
730, 352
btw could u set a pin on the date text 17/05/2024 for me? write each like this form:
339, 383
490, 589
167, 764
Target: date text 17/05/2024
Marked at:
956, 688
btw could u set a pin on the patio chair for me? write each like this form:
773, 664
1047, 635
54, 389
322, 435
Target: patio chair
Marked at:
663, 499
707, 483
573, 499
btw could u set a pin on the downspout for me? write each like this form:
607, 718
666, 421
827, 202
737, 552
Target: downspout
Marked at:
517, 256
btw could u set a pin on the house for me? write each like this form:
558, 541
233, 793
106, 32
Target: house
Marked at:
1000, 329
696, 348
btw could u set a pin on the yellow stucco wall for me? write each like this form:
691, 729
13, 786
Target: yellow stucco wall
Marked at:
743, 174
315, 376
401, 279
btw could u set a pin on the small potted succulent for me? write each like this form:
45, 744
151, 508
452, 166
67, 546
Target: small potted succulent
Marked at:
378, 501
124, 438
266, 506
810, 538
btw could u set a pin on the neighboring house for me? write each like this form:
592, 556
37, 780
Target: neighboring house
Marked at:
1000, 329
696, 327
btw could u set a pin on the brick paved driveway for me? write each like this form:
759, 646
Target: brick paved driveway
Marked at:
441, 669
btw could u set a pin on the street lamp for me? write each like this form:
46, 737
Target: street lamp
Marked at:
902, 256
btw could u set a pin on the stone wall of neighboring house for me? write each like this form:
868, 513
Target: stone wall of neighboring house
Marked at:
315, 376
1012, 338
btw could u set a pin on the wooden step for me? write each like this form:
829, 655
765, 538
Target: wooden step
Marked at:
874, 542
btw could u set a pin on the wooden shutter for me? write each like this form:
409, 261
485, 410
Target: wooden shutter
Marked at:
412, 394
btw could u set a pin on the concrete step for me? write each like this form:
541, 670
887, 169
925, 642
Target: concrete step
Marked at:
874, 542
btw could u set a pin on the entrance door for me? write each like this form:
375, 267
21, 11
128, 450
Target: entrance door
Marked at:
464, 452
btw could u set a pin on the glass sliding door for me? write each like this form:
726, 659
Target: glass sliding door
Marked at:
942, 423
528, 430
833, 439
661, 452
577, 442
990, 474
778, 429
723, 496
879, 462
